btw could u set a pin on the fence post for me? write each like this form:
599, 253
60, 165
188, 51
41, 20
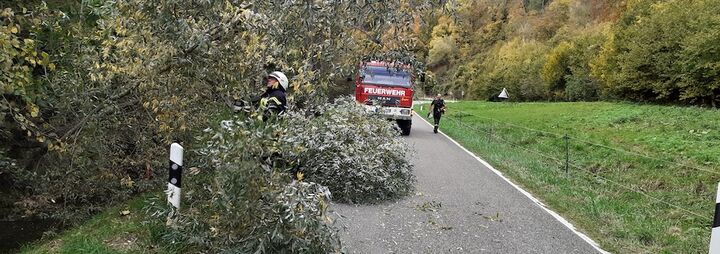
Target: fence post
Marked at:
567, 153
175, 175
715, 236
490, 133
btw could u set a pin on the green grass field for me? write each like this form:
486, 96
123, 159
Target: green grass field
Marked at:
640, 179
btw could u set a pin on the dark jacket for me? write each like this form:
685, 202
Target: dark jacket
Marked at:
272, 101
438, 106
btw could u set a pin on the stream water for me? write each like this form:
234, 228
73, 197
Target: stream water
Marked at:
15, 234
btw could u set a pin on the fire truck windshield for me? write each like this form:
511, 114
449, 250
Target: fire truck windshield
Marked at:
381, 75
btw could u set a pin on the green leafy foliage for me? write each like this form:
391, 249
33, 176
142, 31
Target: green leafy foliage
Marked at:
245, 208
581, 84
360, 157
567, 70
262, 185
443, 45
132, 76
243, 201
654, 55
20, 56
555, 69
513, 66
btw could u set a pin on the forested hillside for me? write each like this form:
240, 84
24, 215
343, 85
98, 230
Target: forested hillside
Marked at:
659, 51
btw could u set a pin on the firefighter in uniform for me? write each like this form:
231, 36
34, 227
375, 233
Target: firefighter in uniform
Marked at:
273, 101
437, 108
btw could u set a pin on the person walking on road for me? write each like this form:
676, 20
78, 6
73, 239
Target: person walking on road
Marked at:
437, 107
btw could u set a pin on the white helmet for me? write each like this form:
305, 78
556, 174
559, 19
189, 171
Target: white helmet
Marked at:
280, 77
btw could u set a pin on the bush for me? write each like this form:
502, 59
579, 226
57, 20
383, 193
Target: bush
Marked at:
262, 184
581, 84
241, 203
245, 208
581, 88
360, 157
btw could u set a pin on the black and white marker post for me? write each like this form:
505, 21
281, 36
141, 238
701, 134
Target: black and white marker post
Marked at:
715, 236
175, 176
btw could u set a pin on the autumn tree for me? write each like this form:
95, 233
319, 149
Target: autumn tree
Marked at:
661, 52
120, 80
443, 45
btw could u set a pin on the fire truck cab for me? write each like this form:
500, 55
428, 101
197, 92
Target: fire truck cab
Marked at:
387, 89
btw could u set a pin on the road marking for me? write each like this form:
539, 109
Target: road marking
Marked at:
527, 194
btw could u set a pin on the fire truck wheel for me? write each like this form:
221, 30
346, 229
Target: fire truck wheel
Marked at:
404, 126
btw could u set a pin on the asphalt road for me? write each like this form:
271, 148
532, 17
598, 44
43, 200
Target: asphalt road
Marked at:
459, 206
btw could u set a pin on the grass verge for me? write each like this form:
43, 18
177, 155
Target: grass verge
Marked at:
639, 179
119, 229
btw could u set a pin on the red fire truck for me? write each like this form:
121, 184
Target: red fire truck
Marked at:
387, 89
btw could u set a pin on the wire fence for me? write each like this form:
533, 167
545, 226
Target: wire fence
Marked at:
601, 145
493, 133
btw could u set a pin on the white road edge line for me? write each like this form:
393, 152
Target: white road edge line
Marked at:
527, 194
